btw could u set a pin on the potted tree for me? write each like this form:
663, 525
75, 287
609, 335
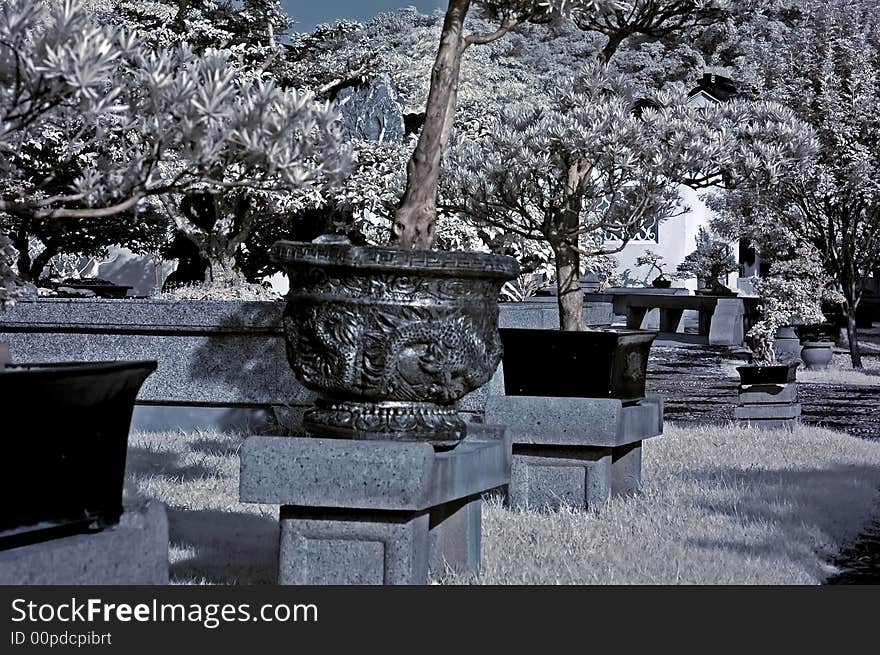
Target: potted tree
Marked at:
582, 170
712, 260
157, 109
391, 338
792, 292
655, 262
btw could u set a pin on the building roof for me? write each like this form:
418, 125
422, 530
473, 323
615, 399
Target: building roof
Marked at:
715, 87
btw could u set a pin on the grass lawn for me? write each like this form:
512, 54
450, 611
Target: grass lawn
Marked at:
840, 371
721, 505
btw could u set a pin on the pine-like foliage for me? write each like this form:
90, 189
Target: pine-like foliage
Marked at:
127, 121
826, 66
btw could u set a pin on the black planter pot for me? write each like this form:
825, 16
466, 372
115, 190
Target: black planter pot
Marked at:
660, 283
776, 374
591, 364
65, 463
391, 339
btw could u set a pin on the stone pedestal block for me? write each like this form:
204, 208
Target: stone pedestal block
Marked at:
554, 476
770, 406
626, 469
323, 547
787, 345
574, 451
134, 552
375, 512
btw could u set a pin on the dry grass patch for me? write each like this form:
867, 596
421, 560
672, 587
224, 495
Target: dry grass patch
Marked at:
721, 505
841, 372
214, 537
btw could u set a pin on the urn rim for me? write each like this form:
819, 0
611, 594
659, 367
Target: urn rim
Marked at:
377, 258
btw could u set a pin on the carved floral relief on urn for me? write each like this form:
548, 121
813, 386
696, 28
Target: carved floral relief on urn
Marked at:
391, 339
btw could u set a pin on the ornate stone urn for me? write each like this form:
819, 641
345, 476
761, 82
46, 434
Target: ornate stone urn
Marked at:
391, 339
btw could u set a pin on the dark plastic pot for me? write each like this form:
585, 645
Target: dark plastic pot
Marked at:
591, 364
816, 355
660, 283
776, 374
65, 459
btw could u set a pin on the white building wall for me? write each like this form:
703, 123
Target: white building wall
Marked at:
676, 240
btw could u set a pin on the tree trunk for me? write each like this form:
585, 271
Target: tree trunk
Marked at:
220, 253
40, 262
563, 238
223, 270
853, 334
611, 47
416, 217
852, 296
23, 263
568, 288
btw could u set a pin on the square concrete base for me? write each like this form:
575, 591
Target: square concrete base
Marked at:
574, 451
134, 552
551, 477
769, 406
375, 512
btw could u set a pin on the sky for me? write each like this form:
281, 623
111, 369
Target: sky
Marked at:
308, 13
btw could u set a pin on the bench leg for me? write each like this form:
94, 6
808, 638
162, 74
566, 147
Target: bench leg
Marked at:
727, 327
670, 319
635, 316
705, 323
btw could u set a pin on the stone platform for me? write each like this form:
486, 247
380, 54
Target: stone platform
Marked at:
770, 406
375, 512
574, 451
134, 552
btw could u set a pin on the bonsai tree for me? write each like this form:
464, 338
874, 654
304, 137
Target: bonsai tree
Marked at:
792, 292
222, 221
585, 170
655, 262
141, 122
712, 259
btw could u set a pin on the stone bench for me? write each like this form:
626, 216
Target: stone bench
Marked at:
724, 320
542, 312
